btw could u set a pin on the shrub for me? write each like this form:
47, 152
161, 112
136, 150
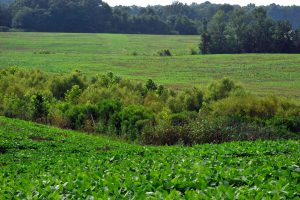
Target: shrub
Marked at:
164, 52
165, 134
248, 106
77, 115
57, 116
59, 86
221, 89
107, 80
193, 99
13, 106
154, 102
194, 51
183, 118
228, 128
115, 106
190, 100
133, 119
150, 85
39, 107
72, 95
288, 123
108, 119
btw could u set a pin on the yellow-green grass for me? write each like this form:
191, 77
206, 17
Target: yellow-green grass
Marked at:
100, 53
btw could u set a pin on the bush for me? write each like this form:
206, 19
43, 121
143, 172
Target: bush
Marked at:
72, 95
133, 119
228, 128
183, 118
108, 119
60, 86
164, 52
165, 134
77, 115
57, 116
40, 107
194, 51
248, 106
13, 106
190, 100
115, 106
221, 89
288, 123
150, 85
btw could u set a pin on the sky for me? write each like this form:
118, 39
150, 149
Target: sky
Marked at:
167, 2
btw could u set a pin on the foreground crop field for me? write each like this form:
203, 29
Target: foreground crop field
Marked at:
134, 56
40, 162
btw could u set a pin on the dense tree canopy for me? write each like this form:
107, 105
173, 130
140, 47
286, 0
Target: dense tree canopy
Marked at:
98, 16
241, 31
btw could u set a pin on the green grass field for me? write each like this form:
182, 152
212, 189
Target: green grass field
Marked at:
40, 162
100, 53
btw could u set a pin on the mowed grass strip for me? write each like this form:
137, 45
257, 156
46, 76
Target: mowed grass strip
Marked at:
134, 56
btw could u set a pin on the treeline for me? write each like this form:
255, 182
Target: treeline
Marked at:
248, 32
148, 113
98, 16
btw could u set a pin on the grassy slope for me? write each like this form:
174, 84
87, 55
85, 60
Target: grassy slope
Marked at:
44, 162
101, 53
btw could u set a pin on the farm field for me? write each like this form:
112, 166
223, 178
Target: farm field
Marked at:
134, 57
40, 162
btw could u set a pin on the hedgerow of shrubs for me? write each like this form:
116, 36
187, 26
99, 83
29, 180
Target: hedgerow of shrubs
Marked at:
148, 113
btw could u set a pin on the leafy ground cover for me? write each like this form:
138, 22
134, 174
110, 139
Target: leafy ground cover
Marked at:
136, 57
40, 162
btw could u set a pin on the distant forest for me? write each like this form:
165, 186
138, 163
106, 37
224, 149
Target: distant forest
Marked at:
98, 16
223, 28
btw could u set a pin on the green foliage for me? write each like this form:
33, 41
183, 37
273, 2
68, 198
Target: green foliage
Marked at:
72, 96
61, 85
164, 52
97, 16
39, 107
290, 123
108, 117
150, 85
254, 107
166, 134
221, 89
190, 100
133, 119
242, 31
108, 104
180, 119
193, 51
61, 164
79, 115
13, 106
